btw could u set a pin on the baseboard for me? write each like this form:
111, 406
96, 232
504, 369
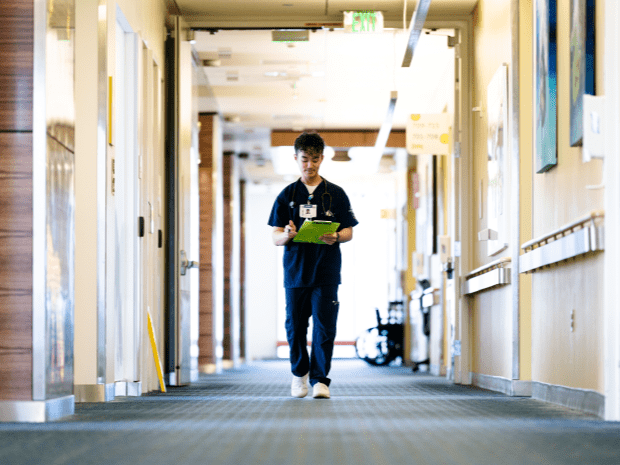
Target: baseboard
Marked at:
437, 370
128, 388
94, 392
510, 387
208, 368
584, 400
33, 411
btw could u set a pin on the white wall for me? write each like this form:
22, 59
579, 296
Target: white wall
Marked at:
85, 343
367, 265
147, 19
262, 282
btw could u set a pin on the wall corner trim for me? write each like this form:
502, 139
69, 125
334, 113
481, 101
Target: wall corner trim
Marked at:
36, 411
94, 392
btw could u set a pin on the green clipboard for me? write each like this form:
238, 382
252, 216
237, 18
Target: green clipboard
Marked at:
310, 231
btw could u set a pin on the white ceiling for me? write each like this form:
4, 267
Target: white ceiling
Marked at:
335, 80
201, 13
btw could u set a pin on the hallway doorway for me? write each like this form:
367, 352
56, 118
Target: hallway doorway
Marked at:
261, 84
122, 243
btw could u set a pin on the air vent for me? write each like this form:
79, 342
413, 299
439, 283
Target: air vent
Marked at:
290, 36
224, 53
287, 62
287, 117
212, 63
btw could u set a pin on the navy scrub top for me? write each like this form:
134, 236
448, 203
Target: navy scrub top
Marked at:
305, 264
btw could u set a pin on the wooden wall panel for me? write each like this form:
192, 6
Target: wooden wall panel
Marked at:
242, 269
341, 138
228, 249
16, 266
16, 55
206, 355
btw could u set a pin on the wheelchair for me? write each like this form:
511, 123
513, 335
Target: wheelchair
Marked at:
383, 344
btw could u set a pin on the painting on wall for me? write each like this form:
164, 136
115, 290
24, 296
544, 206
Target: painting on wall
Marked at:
498, 163
426, 213
545, 81
581, 63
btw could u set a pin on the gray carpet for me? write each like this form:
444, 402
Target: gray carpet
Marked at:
377, 415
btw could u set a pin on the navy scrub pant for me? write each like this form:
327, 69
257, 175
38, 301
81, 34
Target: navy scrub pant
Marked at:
321, 303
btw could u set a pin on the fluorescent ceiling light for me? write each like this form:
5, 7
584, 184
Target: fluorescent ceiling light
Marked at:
415, 29
386, 127
364, 160
285, 62
283, 159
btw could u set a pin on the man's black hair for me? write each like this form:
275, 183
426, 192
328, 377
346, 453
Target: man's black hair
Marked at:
310, 142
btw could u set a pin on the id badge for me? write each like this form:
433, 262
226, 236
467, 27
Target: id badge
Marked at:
307, 211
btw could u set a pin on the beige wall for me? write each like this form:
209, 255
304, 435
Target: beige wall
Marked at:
490, 314
559, 356
148, 18
550, 352
525, 181
492, 48
490, 311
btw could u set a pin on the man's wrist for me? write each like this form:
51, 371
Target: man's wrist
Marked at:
337, 236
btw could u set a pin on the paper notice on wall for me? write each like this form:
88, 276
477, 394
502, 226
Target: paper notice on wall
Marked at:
428, 134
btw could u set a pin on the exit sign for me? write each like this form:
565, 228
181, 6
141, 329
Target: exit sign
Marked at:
363, 22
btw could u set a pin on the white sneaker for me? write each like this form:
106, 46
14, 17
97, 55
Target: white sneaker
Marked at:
320, 391
299, 386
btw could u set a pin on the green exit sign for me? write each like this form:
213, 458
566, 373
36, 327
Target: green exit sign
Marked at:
363, 22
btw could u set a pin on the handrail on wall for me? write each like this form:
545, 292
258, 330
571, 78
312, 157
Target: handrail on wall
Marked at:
499, 263
430, 297
581, 236
487, 276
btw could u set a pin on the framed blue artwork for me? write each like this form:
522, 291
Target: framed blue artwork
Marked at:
581, 63
545, 85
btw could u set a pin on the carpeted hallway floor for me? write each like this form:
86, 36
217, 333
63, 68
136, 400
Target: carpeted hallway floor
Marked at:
377, 415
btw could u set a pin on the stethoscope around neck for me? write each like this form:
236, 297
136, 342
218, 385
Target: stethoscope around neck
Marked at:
327, 212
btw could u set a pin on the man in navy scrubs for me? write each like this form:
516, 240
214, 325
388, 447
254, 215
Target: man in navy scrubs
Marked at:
311, 271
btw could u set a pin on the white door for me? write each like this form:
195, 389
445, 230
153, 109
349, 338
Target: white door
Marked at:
123, 278
182, 187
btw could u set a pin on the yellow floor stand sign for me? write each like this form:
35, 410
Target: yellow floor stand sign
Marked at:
156, 353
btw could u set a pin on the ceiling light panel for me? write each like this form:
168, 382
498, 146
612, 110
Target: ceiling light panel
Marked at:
195, 9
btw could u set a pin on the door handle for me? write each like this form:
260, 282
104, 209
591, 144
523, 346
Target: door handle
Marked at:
187, 264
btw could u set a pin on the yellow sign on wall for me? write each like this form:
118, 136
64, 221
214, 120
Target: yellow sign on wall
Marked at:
428, 134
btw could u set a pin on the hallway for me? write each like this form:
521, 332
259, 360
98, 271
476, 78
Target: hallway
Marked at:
376, 416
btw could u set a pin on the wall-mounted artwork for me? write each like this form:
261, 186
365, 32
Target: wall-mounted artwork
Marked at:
426, 213
498, 163
545, 81
581, 63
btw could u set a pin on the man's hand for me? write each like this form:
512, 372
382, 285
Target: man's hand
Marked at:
344, 235
281, 236
329, 239
290, 229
